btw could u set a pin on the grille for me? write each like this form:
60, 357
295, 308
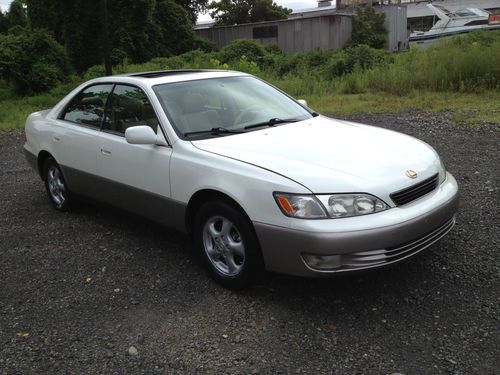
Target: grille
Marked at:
389, 255
416, 191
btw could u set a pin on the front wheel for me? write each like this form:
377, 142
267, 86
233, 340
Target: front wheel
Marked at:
227, 242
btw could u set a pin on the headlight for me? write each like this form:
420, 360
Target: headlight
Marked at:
336, 205
345, 205
302, 206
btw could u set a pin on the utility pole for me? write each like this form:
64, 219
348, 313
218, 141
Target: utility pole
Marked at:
107, 44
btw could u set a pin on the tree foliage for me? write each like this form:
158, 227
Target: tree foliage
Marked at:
31, 60
368, 28
176, 34
234, 12
252, 50
3, 23
16, 16
140, 29
193, 7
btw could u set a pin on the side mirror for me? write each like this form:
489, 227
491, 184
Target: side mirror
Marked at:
140, 135
303, 102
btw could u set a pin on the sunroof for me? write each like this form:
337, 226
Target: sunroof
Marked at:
164, 73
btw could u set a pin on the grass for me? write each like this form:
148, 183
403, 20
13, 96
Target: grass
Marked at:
469, 108
14, 111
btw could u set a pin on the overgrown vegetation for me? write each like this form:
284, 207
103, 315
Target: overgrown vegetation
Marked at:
31, 61
368, 28
139, 30
462, 74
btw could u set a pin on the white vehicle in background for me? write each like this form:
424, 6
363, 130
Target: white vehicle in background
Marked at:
257, 179
454, 23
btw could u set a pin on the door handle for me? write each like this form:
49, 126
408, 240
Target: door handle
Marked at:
56, 139
105, 152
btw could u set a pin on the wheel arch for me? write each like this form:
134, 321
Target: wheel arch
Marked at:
207, 195
42, 157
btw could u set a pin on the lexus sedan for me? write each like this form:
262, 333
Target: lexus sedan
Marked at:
256, 178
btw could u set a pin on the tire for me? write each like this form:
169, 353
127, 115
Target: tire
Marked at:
226, 240
56, 187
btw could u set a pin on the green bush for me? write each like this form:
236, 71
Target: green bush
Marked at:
252, 50
368, 28
289, 63
94, 72
316, 59
273, 49
32, 61
204, 44
337, 65
118, 56
468, 63
366, 57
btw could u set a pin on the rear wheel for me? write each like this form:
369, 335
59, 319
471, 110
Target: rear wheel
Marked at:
228, 245
56, 187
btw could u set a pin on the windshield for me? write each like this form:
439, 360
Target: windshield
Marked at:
229, 105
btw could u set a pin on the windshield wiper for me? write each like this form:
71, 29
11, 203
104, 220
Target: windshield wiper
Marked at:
214, 131
272, 122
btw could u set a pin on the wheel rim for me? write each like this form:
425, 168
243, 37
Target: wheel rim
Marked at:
56, 186
223, 245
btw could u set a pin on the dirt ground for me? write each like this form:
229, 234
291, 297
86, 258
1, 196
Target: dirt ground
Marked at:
77, 290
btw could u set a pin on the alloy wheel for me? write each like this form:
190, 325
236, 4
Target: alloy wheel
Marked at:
223, 245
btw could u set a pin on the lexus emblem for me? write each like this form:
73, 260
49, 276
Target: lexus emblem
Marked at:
411, 174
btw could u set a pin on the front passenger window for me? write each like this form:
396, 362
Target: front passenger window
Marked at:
129, 107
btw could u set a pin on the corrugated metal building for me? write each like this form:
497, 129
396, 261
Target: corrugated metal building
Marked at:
292, 35
396, 24
324, 29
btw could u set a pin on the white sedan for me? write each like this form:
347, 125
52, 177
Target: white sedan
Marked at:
256, 178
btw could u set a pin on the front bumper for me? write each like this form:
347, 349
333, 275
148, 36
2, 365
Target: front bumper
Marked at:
382, 245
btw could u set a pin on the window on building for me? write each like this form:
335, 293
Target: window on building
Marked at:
262, 32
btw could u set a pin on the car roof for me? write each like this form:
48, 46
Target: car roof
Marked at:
169, 76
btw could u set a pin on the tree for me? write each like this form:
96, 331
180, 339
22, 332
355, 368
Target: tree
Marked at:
4, 26
132, 28
267, 10
50, 15
234, 12
176, 34
76, 24
368, 28
193, 7
16, 16
139, 29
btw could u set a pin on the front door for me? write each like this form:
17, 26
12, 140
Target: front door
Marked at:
135, 177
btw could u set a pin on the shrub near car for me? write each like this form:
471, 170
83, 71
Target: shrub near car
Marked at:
255, 177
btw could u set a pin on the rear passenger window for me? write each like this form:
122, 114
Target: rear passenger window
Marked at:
129, 107
87, 107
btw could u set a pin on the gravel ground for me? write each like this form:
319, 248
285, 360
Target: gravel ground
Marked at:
79, 290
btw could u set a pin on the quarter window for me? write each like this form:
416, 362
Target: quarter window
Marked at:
129, 107
87, 107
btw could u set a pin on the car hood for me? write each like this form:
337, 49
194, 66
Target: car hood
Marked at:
327, 155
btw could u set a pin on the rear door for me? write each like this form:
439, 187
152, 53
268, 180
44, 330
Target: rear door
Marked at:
75, 136
135, 177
